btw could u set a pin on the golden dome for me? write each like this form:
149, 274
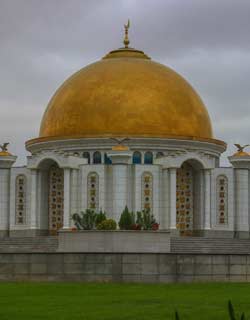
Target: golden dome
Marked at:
126, 94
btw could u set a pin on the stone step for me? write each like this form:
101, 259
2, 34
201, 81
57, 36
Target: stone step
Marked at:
209, 245
29, 244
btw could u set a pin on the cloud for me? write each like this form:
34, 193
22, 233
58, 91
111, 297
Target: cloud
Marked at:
44, 42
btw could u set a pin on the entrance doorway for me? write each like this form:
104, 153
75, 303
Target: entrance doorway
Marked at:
185, 199
56, 198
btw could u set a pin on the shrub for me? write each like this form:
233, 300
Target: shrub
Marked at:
127, 219
100, 217
86, 220
146, 221
108, 224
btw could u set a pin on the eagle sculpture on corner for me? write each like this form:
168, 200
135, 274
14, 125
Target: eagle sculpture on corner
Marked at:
241, 148
4, 146
120, 141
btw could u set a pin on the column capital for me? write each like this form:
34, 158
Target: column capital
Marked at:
120, 157
6, 162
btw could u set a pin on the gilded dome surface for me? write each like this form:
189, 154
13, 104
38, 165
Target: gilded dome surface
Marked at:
126, 94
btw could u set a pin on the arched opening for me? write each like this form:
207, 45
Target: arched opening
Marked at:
86, 155
51, 197
56, 198
188, 197
136, 157
97, 157
148, 157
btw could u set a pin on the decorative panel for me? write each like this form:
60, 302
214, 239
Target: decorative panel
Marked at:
93, 191
56, 198
222, 199
184, 198
21, 192
147, 191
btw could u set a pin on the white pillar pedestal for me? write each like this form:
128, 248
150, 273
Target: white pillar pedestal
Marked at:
207, 199
172, 198
242, 199
241, 163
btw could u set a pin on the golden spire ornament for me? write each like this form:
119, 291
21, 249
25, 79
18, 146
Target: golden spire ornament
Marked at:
126, 39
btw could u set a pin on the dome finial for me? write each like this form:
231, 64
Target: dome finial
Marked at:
126, 39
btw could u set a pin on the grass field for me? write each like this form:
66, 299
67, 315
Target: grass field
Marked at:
120, 301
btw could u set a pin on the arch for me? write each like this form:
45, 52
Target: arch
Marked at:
196, 163
147, 191
97, 157
222, 199
21, 194
93, 191
86, 155
148, 157
137, 157
46, 162
107, 160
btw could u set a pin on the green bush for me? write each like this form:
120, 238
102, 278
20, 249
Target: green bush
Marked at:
108, 224
100, 217
146, 221
127, 220
88, 219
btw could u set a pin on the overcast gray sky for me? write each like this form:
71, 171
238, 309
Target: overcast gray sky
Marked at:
43, 42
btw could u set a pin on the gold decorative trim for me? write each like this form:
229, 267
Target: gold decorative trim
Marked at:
171, 137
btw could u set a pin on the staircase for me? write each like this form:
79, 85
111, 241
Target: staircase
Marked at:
29, 244
210, 245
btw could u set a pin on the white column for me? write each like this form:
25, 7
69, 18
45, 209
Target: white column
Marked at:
207, 199
242, 199
74, 204
120, 190
165, 219
66, 215
172, 204
33, 197
6, 162
4, 198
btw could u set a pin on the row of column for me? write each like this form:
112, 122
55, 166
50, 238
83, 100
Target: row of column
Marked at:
120, 195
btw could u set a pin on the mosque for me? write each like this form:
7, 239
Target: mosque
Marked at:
126, 131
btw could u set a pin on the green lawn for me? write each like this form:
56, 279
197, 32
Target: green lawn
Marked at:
120, 301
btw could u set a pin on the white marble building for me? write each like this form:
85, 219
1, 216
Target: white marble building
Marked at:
168, 162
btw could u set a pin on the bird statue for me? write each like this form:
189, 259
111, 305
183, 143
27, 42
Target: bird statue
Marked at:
241, 148
120, 141
120, 146
4, 146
